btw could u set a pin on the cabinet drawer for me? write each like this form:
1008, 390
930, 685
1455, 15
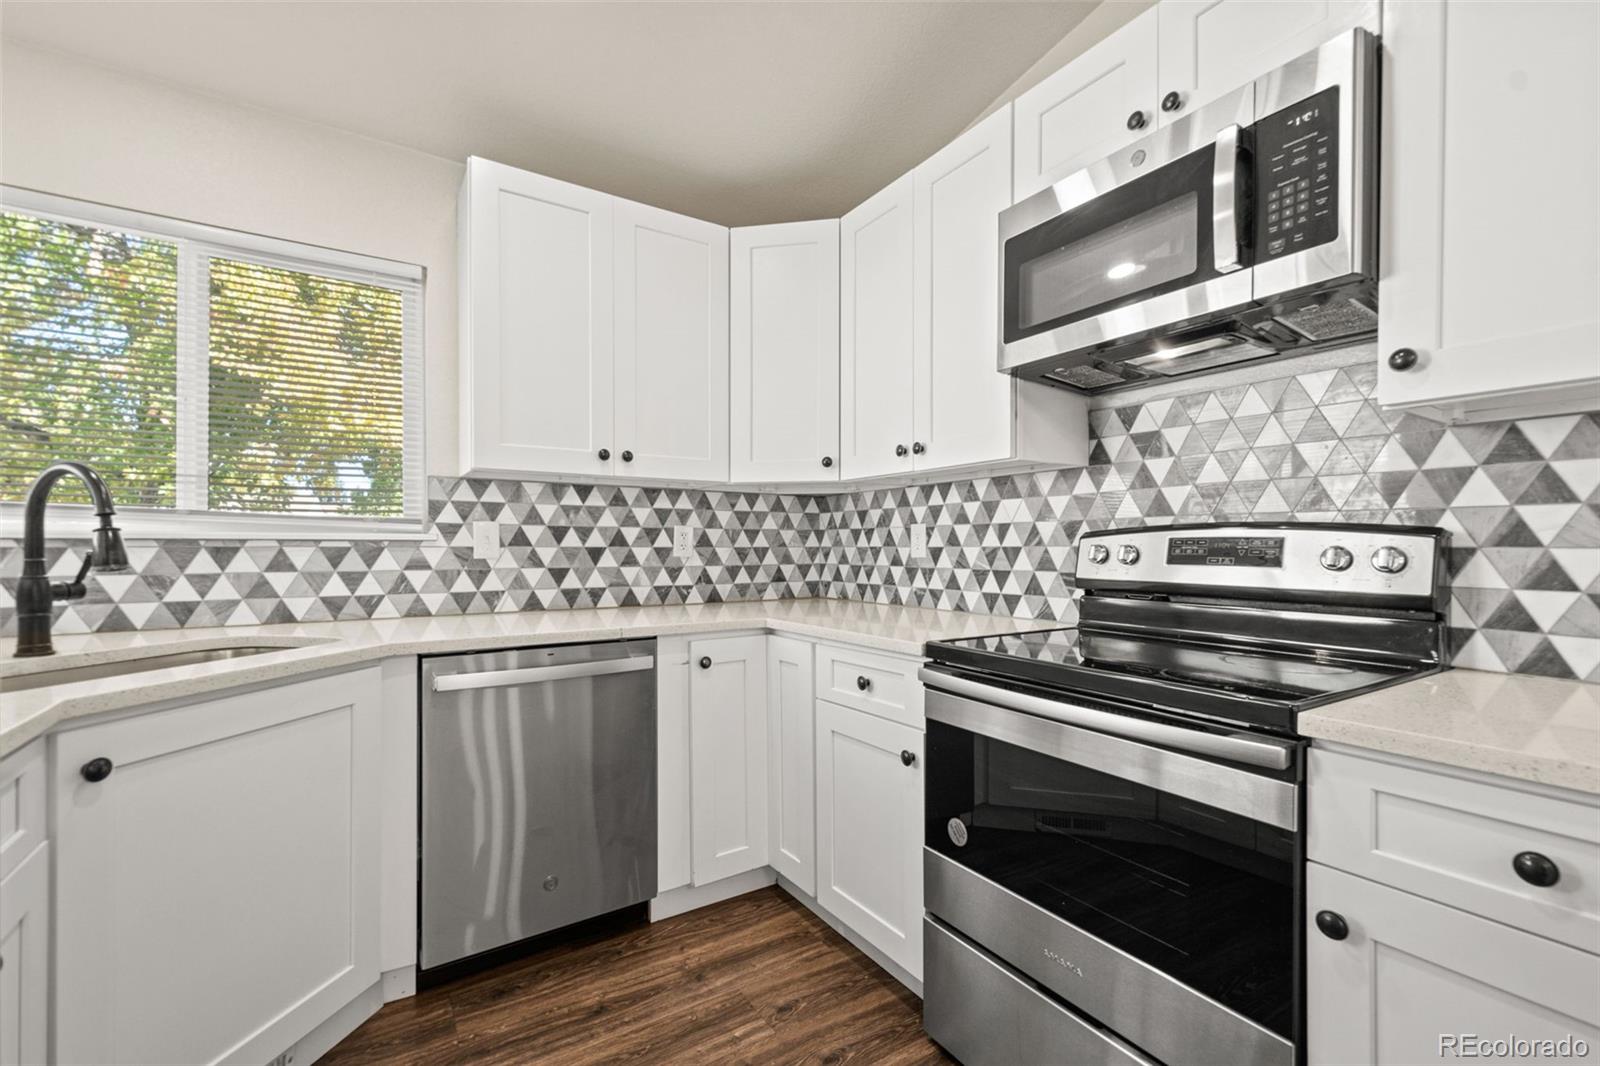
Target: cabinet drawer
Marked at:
878, 684
1453, 839
22, 825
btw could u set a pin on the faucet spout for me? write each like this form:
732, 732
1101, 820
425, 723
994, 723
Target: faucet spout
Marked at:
36, 593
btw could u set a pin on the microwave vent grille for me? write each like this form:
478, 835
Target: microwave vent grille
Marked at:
1329, 320
1084, 377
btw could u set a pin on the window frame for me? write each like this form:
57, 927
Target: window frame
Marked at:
197, 242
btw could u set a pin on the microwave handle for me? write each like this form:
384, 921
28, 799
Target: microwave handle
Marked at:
1227, 195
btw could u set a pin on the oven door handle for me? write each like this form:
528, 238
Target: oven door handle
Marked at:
1253, 751
1227, 199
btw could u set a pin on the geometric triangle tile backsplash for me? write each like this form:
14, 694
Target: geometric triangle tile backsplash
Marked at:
1521, 499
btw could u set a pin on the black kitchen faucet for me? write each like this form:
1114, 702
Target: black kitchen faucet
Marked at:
36, 593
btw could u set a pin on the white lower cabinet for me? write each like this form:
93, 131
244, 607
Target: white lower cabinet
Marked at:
791, 761
869, 829
25, 960
216, 892
728, 756
1414, 980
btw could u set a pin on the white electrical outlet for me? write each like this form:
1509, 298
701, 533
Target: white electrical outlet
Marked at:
919, 541
683, 543
485, 540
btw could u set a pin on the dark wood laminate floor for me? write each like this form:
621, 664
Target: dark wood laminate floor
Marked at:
756, 979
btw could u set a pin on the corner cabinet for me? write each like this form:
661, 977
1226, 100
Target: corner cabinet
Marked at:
869, 829
783, 321
791, 762
920, 279
1487, 308
594, 333
24, 908
217, 867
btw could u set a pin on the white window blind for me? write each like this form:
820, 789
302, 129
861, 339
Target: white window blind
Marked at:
206, 372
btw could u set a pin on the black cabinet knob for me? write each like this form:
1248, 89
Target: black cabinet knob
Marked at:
917, 447
627, 457
1172, 102
1536, 869
1333, 926
705, 662
862, 682
827, 460
96, 770
1402, 359
907, 758
1136, 120
900, 450
605, 453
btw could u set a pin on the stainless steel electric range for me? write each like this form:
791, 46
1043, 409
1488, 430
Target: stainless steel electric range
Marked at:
1115, 831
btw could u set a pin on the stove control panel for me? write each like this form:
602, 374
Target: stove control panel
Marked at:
1313, 559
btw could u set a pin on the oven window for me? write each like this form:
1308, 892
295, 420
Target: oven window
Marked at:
1202, 894
1150, 249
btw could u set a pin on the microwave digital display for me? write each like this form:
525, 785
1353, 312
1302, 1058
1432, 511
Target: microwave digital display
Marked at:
1225, 551
1297, 177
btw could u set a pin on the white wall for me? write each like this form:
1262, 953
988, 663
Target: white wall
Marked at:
73, 129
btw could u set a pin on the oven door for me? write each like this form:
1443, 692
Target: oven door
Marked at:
1150, 237
1146, 873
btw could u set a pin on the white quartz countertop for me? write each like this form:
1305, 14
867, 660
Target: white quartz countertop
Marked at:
1535, 729
319, 646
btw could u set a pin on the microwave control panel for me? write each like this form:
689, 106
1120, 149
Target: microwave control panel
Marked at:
1297, 177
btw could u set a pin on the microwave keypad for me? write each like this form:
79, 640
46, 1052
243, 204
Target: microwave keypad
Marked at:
1297, 177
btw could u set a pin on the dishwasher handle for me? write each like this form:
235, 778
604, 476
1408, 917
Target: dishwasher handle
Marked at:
533, 675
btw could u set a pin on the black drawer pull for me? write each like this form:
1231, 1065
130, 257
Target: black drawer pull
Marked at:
1536, 869
1333, 925
96, 770
705, 662
907, 758
863, 683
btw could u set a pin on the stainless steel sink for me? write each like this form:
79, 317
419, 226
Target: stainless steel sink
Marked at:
94, 671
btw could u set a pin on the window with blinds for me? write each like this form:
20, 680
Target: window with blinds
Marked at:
202, 374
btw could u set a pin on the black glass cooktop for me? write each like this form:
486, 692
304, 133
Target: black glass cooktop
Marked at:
1230, 683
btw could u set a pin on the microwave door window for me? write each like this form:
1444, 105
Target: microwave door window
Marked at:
1149, 250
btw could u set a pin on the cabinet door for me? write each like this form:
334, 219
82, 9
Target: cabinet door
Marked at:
217, 895
536, 330
784, 325
963, 404
791, 761
671, 345
728, 756
1085, 111
1413, 974
869, 829
875, 312
1493, 283
1211, 47
25, 960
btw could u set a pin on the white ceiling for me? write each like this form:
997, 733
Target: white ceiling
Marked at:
736, 112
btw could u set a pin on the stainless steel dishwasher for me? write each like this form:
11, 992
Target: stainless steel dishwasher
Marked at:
538, 792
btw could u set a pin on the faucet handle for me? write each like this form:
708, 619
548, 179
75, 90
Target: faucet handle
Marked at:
74, 589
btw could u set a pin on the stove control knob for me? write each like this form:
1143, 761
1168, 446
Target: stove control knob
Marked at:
1336, 557
1099, 553
1389, 560
1127, 554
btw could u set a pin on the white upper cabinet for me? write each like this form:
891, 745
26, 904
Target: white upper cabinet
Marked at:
964, 411
1211, 47
1490, 224
671, 337
875, 313
1088, 109
536, 323
784, 336
962, 402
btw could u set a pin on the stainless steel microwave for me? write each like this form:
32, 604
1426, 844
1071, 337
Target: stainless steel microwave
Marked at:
1244, 230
